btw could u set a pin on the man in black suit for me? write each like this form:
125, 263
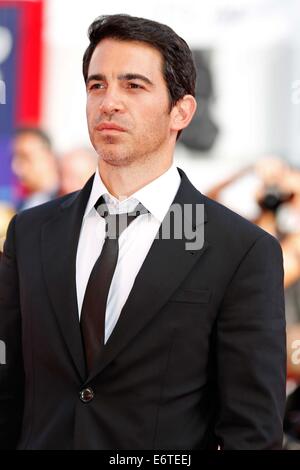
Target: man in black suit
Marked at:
169, 334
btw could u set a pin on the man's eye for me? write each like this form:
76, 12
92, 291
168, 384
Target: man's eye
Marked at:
134, 85
96, 86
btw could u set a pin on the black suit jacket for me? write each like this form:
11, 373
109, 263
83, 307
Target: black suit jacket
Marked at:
197, 356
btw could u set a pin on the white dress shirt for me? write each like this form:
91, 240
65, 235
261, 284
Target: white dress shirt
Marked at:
134, 242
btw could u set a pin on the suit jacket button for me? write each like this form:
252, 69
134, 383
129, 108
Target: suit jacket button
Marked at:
86, 395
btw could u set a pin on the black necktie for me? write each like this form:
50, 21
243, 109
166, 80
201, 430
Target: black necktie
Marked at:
94, 304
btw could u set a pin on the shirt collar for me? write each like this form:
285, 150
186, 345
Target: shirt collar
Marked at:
156, 196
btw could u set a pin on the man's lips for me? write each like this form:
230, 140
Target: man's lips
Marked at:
109, 126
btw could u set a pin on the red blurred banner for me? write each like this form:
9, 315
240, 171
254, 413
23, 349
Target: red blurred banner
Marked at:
21, 70
29, 58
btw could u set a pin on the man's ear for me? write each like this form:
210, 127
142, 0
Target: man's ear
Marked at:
183, 112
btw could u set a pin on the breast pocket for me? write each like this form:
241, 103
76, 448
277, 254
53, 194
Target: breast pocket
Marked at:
192, 296
189, 314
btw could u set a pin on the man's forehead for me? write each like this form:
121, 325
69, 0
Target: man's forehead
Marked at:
27, 138
125, 55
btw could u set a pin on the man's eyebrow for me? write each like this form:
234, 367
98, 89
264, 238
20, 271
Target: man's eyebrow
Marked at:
135, 76
98, 77
126, 76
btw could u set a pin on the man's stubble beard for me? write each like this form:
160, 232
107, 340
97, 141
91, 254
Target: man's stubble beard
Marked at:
141, 154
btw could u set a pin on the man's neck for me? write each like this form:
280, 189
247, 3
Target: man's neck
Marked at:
123, 181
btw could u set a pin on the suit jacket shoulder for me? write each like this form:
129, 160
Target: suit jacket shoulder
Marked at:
43, 212
232, 227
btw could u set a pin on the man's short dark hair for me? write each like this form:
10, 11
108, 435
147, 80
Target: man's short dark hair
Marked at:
37, 132
178, 66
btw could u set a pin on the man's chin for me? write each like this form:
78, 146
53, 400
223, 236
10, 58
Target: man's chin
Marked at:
115, 159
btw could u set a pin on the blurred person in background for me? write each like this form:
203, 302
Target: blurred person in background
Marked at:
277, 199
75, 168
35, 165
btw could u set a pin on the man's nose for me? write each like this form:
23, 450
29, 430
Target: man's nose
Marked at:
16, 165
111, 101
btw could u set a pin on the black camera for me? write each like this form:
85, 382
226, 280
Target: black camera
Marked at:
273, 197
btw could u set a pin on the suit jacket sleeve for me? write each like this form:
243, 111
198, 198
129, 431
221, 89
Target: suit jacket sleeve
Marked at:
251, 352
11, 367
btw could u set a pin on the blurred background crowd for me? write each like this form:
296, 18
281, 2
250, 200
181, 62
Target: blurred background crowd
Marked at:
241, 149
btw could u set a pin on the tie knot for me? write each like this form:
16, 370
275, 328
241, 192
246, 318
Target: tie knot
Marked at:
117, 223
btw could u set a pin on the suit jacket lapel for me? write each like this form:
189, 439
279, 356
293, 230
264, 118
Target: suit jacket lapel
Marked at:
164, 269
59, 246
